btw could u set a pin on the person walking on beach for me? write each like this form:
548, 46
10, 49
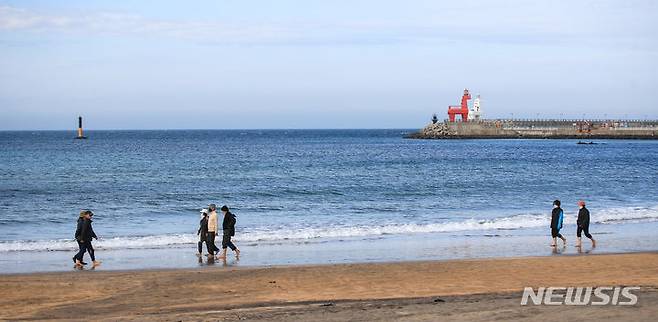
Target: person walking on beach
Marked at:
557, 217
81, 248
212, 230
83, 235
583, 224
203, 231
228, 228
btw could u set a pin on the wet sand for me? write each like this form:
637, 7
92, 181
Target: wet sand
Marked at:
486, 289
617, 238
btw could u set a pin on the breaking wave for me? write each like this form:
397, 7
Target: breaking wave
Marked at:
515, 222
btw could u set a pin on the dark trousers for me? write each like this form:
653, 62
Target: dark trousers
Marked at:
556, 233
200, 244
585, 230
226, 241
91, 251
210, 243
85, 246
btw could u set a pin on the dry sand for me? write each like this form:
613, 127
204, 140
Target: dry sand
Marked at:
411, 291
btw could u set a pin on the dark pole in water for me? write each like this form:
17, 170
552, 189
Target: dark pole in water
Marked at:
80, 136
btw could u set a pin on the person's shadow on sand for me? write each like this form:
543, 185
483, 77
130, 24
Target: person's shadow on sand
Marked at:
581, 251
212, 261
558, 250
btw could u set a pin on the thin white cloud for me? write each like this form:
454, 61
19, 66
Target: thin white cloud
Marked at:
527, 24
111, 23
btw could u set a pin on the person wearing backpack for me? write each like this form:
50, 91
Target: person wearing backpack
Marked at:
228, 227
583, 224
557, 216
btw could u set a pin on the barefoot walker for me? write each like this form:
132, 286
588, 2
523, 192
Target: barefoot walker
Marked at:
203, 231
556, 223
583, 224
83, 235
212, 230
228, 227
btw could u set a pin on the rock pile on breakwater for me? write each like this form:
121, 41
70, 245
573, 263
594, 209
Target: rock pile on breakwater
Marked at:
433, 131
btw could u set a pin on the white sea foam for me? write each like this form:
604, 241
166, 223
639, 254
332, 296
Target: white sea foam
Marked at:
602, 216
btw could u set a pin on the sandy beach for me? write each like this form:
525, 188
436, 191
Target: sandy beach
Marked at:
485, 289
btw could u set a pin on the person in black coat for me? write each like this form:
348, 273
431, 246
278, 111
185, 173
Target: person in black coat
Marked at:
84, 233
203, 231
583, 224
228, 227
82, 248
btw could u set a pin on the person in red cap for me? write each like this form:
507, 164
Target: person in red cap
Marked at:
583, 224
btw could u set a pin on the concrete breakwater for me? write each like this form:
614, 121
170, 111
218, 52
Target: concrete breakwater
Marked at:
540, 129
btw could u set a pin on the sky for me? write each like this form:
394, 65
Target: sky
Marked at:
320, 64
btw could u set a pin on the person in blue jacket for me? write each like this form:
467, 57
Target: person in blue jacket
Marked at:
557, 216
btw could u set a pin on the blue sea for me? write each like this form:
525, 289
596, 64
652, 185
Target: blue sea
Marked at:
315, 196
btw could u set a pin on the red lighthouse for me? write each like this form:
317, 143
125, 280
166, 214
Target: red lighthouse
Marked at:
462, 109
